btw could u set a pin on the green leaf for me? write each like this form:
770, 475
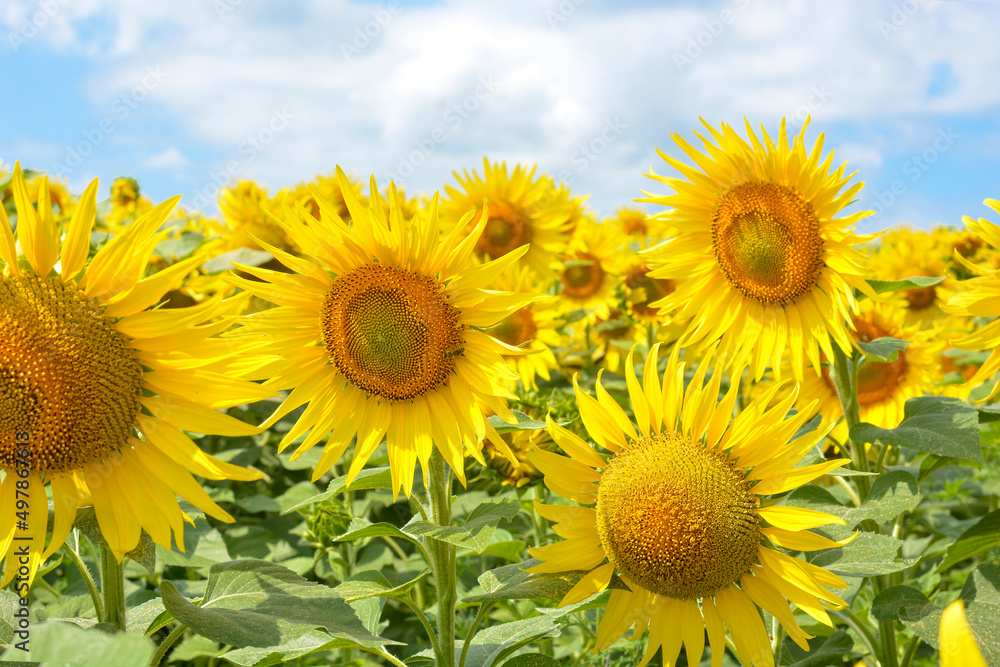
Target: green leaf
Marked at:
144, 554
510, 582
258, 502
9, 604
981, 595
982, 609
532, 660
259, 603
883, 349
524, 423
203, 546
360, 528
902, 603
309, 643
369, 478
357, 591
892, 493
870, 554
179, 247
507, 550
913, 282
139, 618
830, 652
58, 644
983, 536
246, 256
491, 644
935, 424
477, 531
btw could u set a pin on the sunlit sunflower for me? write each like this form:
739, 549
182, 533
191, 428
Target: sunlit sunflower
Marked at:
61, 200
521, 209
883, 387
766, 267
612, 337
101, 388
379, 330
903, 253
536, 327
591, 269
639, 226
329, 190
127, 204
979, 298
248, 210
522, 472
678, 515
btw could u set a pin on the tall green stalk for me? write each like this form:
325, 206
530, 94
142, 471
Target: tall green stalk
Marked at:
113, 589
442, 555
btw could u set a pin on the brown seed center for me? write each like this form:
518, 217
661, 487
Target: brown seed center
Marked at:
677, 519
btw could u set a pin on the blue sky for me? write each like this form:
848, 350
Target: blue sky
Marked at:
189, 95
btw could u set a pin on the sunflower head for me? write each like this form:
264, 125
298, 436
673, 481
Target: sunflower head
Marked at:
678, 513
101, 386
381, 326
757, 242
519, 209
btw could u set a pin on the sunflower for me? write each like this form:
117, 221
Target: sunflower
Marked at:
678, 515
979, 299
99, 389
327, 188
127, 204
903, 253
522, 472
520, 208
883, 387
379, 329
249, 212
766, 268
535, 327
639, 226
591, 269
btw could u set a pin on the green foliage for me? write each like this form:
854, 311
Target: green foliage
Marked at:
932, 424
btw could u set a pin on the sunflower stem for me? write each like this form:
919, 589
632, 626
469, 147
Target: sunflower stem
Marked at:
443, 557
777, 637
165, 645
87, 579
483, 610
845, 379
113, 589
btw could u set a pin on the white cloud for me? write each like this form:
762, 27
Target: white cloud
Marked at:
557, 86
171, 158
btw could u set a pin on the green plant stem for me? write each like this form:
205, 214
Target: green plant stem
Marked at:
165, 645
864, 632
483, 610
113, 589
423, 621
443, 558
88, 579
778, 634
382, 653
911, 650
845, 378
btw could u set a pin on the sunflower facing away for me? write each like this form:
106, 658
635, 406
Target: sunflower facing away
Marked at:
760, 261
101, 388
678, 515
379, 329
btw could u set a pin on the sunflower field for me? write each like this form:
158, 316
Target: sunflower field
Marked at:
339, 424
